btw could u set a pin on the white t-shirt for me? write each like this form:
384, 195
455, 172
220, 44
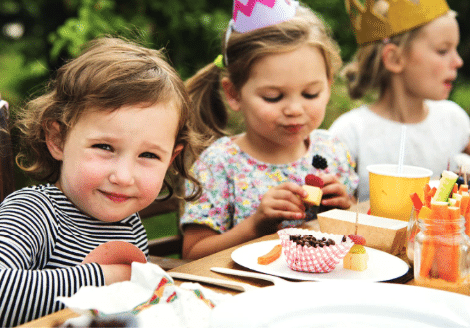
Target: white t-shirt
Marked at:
432, 143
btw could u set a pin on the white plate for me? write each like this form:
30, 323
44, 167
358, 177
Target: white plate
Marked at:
380, 267
342, 304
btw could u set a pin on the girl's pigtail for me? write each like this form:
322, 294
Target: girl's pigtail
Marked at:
357, 82
366, 72
211, 113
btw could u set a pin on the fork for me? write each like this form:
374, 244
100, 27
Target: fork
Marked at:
267, 277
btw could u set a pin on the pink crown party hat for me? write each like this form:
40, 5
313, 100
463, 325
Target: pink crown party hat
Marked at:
249, 15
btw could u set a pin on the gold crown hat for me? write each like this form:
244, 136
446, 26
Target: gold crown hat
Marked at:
402, 16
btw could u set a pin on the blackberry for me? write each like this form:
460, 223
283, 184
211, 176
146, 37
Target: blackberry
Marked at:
319, 162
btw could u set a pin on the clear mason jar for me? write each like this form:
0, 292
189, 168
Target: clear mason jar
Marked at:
442, 254
411, 233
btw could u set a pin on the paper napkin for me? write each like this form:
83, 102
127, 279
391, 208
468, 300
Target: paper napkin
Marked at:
149, 298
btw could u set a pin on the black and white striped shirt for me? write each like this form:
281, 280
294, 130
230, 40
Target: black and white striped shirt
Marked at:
43, 240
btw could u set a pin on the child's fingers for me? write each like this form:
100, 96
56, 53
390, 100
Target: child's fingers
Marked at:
287, 191
336, 196
293, 188
281, 214
334, 193
332, 186
328, 179
283, 201
334, 189
296, 200
337, 202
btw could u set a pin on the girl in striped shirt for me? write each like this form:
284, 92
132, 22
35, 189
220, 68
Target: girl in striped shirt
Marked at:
102, 138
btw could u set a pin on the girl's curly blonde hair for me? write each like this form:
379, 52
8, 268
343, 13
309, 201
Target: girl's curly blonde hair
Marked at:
110, 73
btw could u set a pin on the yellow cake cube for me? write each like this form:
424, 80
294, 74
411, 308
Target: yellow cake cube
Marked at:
356, 259
314, 195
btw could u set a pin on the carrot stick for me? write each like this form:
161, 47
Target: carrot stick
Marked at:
446, 248
439, 212
463, 188
453, 226
271, 256
427, 258
448, 261
417, 203
453, 214
464, 201
427, 196
465, 211
467, 226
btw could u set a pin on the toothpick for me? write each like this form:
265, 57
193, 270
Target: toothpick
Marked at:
357, 215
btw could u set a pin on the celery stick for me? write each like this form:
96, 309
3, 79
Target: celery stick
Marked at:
446, 183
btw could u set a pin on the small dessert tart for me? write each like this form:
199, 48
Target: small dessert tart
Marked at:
356, 259
313, 251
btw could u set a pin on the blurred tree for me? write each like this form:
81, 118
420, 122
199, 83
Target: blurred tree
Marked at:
463, 10
190, 30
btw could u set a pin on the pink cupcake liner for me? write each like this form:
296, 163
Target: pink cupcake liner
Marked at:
313, 259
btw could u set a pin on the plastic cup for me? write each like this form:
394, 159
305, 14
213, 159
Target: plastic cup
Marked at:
390, 191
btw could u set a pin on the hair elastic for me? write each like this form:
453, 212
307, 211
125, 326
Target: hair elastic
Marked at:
219, 61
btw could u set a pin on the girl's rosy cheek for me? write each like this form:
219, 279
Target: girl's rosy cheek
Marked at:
94, 170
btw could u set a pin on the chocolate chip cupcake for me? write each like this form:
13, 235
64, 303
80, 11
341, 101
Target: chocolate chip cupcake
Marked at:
312, 251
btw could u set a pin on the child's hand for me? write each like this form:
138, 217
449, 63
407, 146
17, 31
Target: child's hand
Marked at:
334, 192
283, 202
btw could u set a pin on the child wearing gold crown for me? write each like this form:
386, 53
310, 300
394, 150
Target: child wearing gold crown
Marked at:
408, 53
278, 65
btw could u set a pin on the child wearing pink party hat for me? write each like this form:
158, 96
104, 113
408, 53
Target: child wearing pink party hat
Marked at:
277, 68
408, 55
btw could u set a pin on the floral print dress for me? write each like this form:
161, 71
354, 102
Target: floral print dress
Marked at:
234, 182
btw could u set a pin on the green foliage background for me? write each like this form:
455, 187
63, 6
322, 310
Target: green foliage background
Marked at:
189, 30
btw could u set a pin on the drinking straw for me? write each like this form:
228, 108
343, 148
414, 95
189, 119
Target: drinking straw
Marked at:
402, 149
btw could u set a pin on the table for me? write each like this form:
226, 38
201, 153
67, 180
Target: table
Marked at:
202, 267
